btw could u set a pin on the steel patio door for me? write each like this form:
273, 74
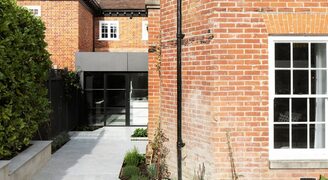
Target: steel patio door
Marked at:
116, 99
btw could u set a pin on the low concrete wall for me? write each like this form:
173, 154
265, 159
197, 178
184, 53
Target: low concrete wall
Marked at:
4, 170
27, 163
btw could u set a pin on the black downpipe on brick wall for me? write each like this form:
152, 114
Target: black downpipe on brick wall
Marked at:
180, 143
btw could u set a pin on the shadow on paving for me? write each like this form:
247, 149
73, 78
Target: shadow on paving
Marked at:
96, 155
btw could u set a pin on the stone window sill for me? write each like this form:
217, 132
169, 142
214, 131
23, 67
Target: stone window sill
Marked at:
298, 164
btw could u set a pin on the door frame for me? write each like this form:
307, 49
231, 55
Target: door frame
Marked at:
127, 77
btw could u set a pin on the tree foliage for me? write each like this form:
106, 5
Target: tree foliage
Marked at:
24, 65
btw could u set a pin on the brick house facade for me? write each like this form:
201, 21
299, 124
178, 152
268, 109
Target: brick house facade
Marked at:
130, 35
69, 29
254, 77
72, 26
106, 41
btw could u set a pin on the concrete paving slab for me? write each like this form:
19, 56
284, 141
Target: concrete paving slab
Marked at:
95, 155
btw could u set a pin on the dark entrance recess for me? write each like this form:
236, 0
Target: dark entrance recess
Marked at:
116, 98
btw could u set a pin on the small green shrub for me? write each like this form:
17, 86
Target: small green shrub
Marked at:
59, 141
133, 158
136, 177
139, 132
152, 171
129, 171
71, 82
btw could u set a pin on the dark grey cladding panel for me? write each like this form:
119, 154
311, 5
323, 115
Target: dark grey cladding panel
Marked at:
101, 61
137, 61
111, 61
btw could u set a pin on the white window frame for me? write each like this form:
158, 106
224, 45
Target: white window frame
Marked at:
292, 154
144, 30
31, 8
109, 24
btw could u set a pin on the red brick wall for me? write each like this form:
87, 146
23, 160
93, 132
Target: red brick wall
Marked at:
63, 30
225, 81
153, 73
130, 39
85, 29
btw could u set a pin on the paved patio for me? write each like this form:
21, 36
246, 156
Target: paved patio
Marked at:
96, 155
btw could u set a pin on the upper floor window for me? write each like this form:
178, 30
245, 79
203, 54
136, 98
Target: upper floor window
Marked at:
108, 30
144, 30
36, 10
298, 97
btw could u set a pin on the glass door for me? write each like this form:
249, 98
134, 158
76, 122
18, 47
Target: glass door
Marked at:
116, 98
116, 88
138, 96
94, 92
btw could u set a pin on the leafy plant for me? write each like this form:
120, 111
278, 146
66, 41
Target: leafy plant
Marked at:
151, 169
323, 177
71, 82
139, 132
133, 157
129, 171
24, 65
136, 177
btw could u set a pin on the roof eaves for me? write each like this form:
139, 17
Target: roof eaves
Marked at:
93, 5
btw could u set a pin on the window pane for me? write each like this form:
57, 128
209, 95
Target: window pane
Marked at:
139, 81
139, 95
281, 136
104, 31
319, 82
301, 82
282, 78
300, 54
281, 110
282, 54
299, 110
115, 82
113, 31
95, 99
96, 117
317, 110
115, 116
317, 136
299, 136
318, 55
94, 80
115, 98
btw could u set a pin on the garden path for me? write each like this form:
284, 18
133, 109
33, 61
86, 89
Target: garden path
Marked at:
94, 155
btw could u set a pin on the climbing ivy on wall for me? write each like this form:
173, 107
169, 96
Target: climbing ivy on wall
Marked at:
24, 65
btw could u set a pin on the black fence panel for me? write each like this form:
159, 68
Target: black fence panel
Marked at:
67, 108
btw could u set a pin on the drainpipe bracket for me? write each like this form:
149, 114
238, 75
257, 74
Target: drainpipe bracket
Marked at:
180, 144
180, 36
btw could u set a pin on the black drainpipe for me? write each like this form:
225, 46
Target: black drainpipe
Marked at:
180, 36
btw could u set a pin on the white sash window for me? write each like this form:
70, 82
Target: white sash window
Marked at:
108, 30
298, 97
